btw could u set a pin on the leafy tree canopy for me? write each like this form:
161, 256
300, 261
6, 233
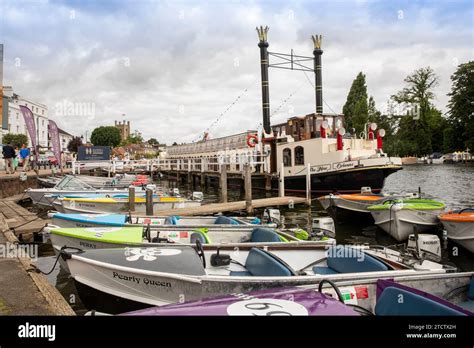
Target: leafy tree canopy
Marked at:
106, 136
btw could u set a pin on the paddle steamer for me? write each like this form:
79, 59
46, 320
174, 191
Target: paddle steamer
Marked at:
338, 160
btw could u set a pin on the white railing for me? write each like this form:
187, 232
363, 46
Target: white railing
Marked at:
234, 162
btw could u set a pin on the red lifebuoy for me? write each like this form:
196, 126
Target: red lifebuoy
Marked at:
252, 140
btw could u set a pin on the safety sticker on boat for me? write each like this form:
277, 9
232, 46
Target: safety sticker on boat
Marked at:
266, 307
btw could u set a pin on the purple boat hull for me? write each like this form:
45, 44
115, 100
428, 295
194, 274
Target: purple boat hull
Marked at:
284, 301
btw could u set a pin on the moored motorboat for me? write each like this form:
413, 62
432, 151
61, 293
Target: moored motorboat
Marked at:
71, 185
351, 205
400, 217
110, 219
423, 295
116, 205
171, 274
459, 225
119, 237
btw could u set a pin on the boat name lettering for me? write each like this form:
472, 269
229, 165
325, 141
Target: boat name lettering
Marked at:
85, 205
343, 165
88, 245
138, 280
126, 277
147, 281
320, 169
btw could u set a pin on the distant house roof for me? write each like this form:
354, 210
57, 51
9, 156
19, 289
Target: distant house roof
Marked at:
64, 132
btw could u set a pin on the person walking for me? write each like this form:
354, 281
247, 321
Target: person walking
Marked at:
16, 158
25, 157
8, 154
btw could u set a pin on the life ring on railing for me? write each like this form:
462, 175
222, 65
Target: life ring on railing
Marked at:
252, 140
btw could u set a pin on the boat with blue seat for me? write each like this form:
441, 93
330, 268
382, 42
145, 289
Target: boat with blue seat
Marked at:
119, 237
208, 270
65, 220
371, 297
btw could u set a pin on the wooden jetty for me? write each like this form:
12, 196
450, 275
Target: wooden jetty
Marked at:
23, 292
233, 206
22, 222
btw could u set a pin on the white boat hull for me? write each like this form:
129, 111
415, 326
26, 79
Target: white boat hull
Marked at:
71, 206
401, 223
158, 288
42, 197
461, 233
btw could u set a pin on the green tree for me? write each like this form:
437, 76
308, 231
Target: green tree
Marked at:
153, 141
355, 109
15, 139
106, 136
134, 138
74, 143
414, 133
461, 108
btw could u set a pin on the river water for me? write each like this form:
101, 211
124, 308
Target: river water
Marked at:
451, 184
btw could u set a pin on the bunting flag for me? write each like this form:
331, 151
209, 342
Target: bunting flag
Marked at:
30, 125
54, 136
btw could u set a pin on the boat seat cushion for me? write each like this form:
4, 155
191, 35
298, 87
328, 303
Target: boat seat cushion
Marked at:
395, 301
224, 220
469, 305
343, 259
171, 220
261, 264
263, 235
470, 293
240, 273
198, 236
323, 270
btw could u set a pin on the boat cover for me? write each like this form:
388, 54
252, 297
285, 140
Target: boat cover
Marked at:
114, 235
168, 259
97, 219
414, 204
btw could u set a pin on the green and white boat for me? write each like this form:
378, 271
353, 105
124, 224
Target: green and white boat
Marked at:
400, 217
119, 237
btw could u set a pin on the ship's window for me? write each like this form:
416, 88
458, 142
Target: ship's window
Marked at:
287, 157
299, 155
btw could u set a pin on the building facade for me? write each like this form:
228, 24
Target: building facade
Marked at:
124, 129
64, 139
14, 121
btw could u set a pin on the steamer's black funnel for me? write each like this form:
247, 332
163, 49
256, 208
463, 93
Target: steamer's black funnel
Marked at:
263, 44
318, 52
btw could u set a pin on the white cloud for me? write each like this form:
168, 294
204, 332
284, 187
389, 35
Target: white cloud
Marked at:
173, 67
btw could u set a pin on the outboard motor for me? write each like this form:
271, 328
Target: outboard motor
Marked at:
197, 196
365, 189
150, 187
425, 246
325, 224
272, 215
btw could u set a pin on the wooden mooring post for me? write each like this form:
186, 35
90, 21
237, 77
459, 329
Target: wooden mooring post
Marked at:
248, 188
131, 198
281, 181
308, 184
223, 183
149, 202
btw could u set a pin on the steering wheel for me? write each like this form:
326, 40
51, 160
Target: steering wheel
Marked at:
200, 252
148, 232
334, 286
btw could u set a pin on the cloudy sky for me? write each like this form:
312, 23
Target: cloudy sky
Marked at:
173, 67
